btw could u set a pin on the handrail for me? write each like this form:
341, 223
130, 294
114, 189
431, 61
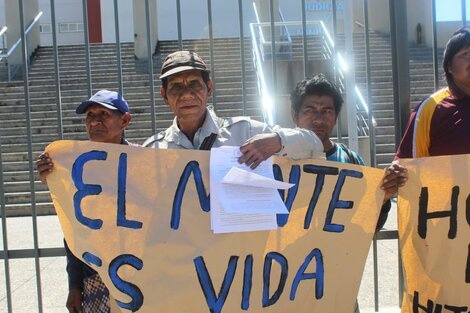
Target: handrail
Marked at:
344, 67
359, 24
3, 30
258, 55
258, 22
27, 31
3, 35
4, 56
364, 105
266, 100
262, 87
284, 27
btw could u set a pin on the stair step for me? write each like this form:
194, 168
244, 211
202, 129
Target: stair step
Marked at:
43, 208
226, 69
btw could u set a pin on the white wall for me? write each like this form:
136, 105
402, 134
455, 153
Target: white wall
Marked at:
71, 11
225, 19
66, 11
141, 43
12, 19
194, 16
2, 21
2, 13
445, 30
126, 25
322, 10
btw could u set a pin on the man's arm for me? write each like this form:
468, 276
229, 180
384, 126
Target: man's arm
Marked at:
299, 143
75, 279
395, 177
266, 141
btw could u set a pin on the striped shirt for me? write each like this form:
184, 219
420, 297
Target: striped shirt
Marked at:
341, 153
440, 125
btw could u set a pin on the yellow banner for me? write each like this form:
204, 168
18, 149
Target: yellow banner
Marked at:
434, 229
140, 217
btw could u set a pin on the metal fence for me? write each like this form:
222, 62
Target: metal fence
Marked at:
28, 249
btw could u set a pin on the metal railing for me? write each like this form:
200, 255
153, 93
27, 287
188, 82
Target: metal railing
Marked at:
3, 36
3, 49
365, 120
286, 39
12, 69
262, 53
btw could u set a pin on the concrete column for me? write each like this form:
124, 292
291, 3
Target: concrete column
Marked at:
140, 27
12, 18
264, 12
419, 12
401, 65
379, 16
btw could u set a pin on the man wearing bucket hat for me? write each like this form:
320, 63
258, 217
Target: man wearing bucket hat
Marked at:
106, 117
186, 87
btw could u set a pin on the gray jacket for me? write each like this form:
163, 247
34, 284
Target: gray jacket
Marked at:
296, 143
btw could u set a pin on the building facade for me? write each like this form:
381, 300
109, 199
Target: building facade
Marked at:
195, 18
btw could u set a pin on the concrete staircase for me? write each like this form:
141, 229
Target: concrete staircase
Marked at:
421, 85
421, 80
21, 186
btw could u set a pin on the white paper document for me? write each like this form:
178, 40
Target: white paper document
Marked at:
243, 199
238, 176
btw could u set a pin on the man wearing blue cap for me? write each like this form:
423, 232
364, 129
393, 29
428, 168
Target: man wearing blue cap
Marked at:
106, 117
186, 87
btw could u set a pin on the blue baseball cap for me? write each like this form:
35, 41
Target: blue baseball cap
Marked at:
109, 99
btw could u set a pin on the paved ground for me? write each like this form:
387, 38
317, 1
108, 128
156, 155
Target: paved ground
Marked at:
54, 281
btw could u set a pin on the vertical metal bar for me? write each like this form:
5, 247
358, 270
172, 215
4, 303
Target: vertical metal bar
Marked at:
118, 46
87, 46
4, 41
401, 278
339, 131
150, 67
393, 45
178, 20
376, 274
400, 66
304, 38
372, 141
464, 12
273, 60
434, 45
60, 129
350, 77
242, 55
211, 52
3, 211
25, 56
335, 38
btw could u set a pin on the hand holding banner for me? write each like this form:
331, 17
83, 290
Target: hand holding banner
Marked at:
139, 216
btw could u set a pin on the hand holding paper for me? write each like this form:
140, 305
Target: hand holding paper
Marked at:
243, 199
